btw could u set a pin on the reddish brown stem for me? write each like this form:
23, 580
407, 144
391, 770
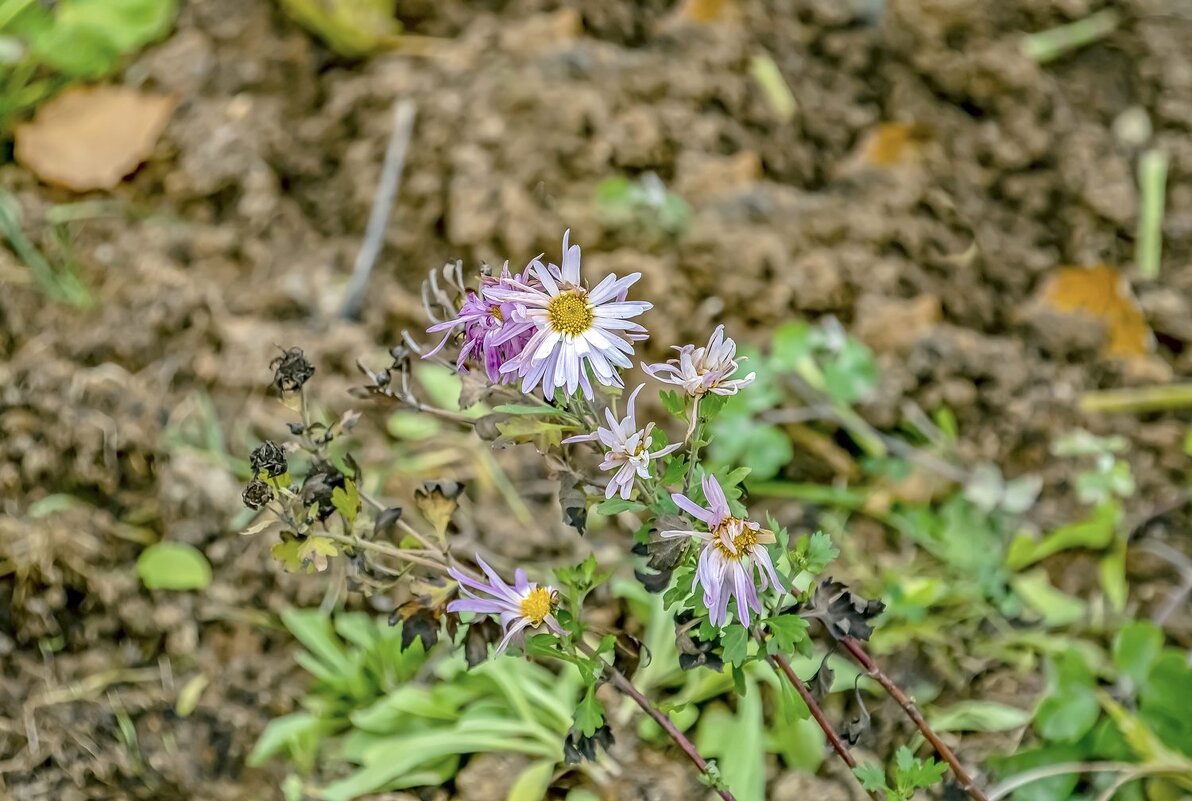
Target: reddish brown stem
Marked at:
623, 684
838, 745
908, 706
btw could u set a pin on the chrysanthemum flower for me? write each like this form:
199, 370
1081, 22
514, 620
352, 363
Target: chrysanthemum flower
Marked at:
577, 329
628, 448
733, 551
524, 605
703, 370
490, 337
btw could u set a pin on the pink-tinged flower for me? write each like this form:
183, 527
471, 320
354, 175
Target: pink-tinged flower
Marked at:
703, 370
733, 551
490, 337
576, 329
628, 448
524, 605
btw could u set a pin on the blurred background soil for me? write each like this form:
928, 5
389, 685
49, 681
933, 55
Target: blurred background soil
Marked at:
121, 424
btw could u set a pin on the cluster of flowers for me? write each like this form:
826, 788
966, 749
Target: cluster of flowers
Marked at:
545, 327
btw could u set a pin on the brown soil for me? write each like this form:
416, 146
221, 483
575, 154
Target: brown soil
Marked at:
239, 234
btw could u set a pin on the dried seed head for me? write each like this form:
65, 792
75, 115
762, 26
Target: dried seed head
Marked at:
257, 494
270, 458
291, 370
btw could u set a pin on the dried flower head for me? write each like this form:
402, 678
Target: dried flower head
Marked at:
575, 329
628, 446
489, 335
320, 483
291, 370
524, 605
257, 494
703, 370
733, 551
270, 458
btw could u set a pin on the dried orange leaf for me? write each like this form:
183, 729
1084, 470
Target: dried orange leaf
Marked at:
1104, 293
892, 143
91, 137
703, 11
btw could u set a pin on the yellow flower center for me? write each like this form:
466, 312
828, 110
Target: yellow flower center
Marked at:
495, 311
538, 603
744, 539
570, 313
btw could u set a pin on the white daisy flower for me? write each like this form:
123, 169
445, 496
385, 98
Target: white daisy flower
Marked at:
703, 370
577, 329
628, 448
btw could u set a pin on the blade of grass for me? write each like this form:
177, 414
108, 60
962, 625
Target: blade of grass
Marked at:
1152, 181
1138, 399
1050, 44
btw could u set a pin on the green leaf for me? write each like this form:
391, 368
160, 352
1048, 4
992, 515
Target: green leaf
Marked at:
672, 402
589, 715
346, 500
1163, 699
1135, 648
88, 37
1057, 608
912, 773
1071, 708
979, 716
313, 553
816, 552
737, 742
789, 633
614, 506
1112, 572
1096, 532
735, 645
282, 732
871, 776
173, 566
313, 629
533, 782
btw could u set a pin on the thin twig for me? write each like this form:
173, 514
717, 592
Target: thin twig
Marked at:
622, 683
838, 745
908, 706
403, 554
378, 218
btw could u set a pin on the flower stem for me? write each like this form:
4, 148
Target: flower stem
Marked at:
817, 712
908, 706
622, 683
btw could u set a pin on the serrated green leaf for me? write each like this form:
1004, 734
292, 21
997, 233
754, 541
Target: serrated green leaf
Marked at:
789, 632
735, 645
346, 500
817, 552
589, 714
871, 776
173, 566
314, 551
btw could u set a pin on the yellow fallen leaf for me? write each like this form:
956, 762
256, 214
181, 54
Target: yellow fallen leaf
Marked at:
1104, 293
91, 137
